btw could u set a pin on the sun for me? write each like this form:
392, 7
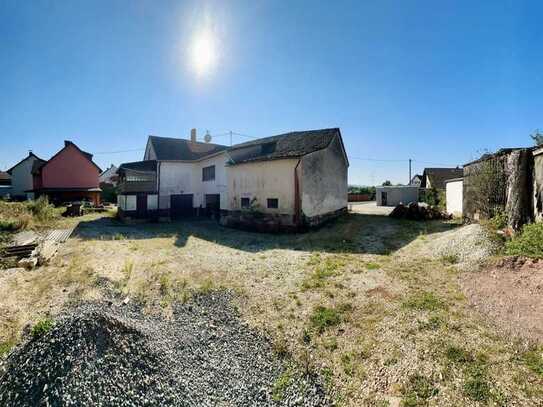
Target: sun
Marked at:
203, 52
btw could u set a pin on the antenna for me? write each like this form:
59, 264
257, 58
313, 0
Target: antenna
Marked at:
207, 137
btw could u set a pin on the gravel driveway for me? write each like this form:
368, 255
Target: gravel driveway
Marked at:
104, 354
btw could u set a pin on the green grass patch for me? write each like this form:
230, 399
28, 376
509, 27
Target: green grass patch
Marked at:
324, 317
534, 360
434, 323
528, 243
458, 355
281, 384
476, 384
5, 347
450, 259
42, 327
373, 266
324, 269
424, 301
418, 390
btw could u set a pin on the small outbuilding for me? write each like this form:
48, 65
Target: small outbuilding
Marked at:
395, 195
454, 196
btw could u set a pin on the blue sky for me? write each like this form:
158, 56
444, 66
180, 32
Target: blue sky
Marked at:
438, 82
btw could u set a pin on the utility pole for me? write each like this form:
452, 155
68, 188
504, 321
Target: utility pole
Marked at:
230, 138
409, 172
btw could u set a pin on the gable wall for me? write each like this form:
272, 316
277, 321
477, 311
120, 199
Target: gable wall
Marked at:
324, 180
21, 177
69, 169
262, 180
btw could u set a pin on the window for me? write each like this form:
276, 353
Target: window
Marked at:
273, 203
245, 203
208, 173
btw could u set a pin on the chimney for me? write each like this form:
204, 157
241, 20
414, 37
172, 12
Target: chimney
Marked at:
193, 135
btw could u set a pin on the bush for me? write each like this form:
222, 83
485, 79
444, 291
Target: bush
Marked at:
41, 209
528, 243
325, 317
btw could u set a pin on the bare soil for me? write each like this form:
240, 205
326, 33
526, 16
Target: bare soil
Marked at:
510, 294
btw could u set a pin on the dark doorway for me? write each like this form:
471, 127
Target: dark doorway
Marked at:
383, 198
181, 206
141, 206
213, 204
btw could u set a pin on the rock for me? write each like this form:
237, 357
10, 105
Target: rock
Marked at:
28, 263
418, 211
46, 251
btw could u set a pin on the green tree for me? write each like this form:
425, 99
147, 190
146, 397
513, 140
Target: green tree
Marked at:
387, 183
537, 137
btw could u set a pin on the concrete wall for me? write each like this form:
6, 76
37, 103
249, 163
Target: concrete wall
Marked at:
186, 178
538, 185
175, 178
324, 180
262, 180
21, 177
397, 195
454, 197
217, 186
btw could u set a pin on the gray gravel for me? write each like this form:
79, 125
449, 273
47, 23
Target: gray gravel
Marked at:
104, 354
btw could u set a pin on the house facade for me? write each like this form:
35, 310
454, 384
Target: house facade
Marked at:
70, 175
434, 178
282, 182
22, 180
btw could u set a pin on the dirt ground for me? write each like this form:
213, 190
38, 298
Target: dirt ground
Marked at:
511, 294
366, 301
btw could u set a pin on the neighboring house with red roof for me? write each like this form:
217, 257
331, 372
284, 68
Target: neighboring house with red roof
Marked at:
287, 181
70, 175
21, 177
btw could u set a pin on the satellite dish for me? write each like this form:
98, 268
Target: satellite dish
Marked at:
207, 137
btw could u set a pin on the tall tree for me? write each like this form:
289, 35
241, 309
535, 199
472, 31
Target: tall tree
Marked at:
537, 137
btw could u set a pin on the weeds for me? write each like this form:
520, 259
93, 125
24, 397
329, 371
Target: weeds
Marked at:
458, 355
424, 301
372, 266
476, 384
281, 384
42, 327
323, 318
450, 259
534, 360
5, 347
417, 390
528, 243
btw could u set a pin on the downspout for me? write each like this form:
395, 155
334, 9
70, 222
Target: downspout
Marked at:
297, 199
158, 189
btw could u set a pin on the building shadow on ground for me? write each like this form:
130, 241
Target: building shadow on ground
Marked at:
352, 233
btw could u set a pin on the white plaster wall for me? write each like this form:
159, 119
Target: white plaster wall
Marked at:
324, 180
454, 197
217, 186
152, 202
175, 178
397, 195
262, 180
21, 177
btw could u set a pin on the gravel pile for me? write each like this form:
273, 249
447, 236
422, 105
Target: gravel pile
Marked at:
105, 354
468, 246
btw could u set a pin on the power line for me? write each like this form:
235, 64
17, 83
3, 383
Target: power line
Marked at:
119, 151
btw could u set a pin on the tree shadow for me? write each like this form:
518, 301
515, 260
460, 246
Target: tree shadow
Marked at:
352, 233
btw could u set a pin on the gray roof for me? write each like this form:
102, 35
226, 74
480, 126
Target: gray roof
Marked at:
138, 166
183, 150
438, 176
288, 145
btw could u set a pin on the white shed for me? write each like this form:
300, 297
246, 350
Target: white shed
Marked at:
454, 196
394, 195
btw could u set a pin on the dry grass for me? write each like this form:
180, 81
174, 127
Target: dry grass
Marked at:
379, 326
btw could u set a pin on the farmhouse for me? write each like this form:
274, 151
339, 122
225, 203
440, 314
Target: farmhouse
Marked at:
282, 182
70, 175
21, 176
434, 178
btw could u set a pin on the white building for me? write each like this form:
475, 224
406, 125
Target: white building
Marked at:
22, 177
454, 196
395, 195
282, 182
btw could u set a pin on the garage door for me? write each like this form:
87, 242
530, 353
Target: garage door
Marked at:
181, 206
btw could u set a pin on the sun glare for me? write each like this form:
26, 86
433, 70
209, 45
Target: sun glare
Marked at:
203, 52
